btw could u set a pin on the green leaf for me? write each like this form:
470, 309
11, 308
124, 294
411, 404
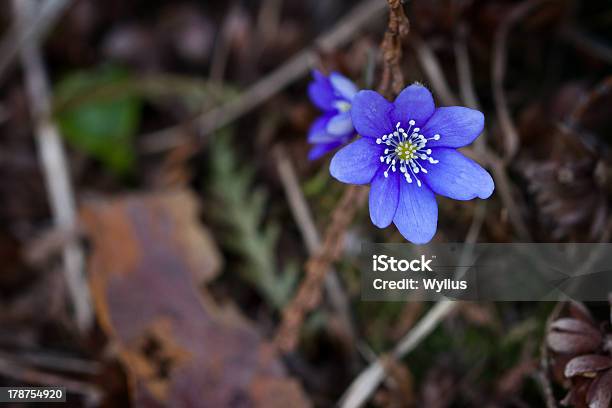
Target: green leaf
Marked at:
100, 123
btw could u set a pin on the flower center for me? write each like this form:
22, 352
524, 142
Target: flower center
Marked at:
408, 149
342, 106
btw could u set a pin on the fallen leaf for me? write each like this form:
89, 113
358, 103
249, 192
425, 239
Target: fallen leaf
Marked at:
573, 336
587, 365
178, 348
575, 326
571, 343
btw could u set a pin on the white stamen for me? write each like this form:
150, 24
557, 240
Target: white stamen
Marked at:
406, 146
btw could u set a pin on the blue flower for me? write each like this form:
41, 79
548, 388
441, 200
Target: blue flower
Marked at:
334, 96
408, 154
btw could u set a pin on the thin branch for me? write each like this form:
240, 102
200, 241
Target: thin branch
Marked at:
466, 83
586, 43
543, 375
48, 244
222, 46
18, 36
504, 186
432, 68
497, 165
392, 80
464, 70
498, 72
544, 381
53, 361
54, 164
603, 88
366, 383
297, 202
309, 293
297, 66
303, 217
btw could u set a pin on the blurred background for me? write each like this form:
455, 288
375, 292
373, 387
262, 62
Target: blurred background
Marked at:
158, 212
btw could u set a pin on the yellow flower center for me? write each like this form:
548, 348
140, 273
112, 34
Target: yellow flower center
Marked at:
406, 150
343, 106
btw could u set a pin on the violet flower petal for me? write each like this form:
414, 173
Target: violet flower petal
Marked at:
356, 163
456, 176
384, 198
456, 125
416, 217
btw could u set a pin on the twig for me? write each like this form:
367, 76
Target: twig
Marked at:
54, 165
549, 396
586, 43
296, 200
221, 50
49, 243
425, 326
305, 222
466, 83
498, 168
19, 35
431, 66
392, 80
601, 89
268, 19
309, 292
291, 70
464, 70
497, 165
573, 126
267, 26
369, 379
503, 186
53, 361
498, 71
544, 364
479, 217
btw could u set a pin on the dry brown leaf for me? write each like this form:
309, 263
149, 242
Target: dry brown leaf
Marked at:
587, 365
178, 348
573, 336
